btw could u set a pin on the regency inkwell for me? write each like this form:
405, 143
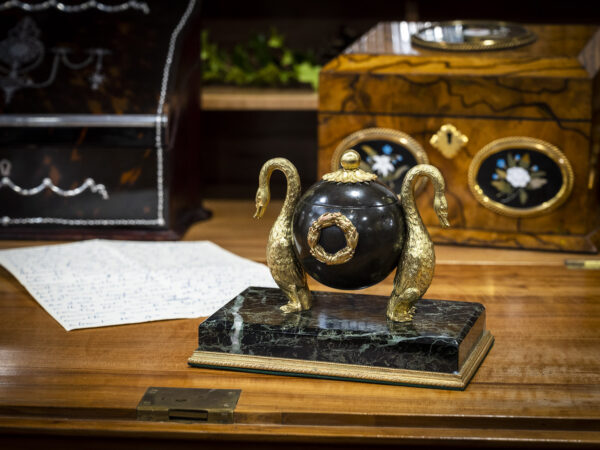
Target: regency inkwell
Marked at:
348, 231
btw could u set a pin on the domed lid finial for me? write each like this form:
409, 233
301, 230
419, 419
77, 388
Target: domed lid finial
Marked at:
350, 171
350, 160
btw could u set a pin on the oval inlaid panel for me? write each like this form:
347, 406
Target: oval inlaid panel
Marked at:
385, 152
520, 176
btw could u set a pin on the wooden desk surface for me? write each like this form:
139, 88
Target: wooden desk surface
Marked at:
539, 385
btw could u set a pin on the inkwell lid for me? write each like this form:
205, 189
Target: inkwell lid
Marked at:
350, 172
349, 186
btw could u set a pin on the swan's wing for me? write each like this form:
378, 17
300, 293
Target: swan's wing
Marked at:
295, 272
285, 267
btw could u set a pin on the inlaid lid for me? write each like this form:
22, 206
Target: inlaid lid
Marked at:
547, 79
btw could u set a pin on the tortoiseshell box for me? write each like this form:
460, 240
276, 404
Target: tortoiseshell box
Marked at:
99, 117
516, 131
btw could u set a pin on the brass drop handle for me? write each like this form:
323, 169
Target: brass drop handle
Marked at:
343, 223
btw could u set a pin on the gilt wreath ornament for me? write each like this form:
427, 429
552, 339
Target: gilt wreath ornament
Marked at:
350, 233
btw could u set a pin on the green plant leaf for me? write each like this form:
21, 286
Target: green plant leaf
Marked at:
269, 74
364, 166
510, 160
501, 173
288, 58
399, 172
262, 60
539, 173
502, 186
237, 76
522, 196
240, 57
536, 183
275, 39
259, 52
285, 76
368, 150
525, 161
308, 73
204, 45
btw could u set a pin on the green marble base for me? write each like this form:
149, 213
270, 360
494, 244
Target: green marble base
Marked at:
346, 336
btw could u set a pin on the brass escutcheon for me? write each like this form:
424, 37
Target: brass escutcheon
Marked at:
448, 140
343, 223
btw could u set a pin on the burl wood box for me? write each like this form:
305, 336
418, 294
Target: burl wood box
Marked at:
98, 119
516, 132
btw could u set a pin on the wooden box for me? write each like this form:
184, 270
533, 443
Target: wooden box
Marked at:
99, 113
524, 124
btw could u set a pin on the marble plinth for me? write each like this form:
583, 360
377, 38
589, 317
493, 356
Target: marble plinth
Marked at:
346, 336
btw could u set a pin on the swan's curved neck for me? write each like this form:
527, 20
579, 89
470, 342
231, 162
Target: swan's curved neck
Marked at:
408, 188
293, 183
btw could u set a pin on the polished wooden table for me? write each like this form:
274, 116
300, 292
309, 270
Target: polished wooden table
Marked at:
539, 386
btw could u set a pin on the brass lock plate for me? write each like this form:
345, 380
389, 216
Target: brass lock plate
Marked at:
160, 404
448, 140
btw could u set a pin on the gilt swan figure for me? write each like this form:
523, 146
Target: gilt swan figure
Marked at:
415, 268
281, 259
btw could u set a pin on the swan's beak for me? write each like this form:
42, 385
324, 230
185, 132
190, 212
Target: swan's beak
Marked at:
260, 210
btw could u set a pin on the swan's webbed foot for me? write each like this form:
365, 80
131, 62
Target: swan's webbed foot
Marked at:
401, 308
291, 307
401, 313
299, 299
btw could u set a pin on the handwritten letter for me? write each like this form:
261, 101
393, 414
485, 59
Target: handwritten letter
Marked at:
99, 283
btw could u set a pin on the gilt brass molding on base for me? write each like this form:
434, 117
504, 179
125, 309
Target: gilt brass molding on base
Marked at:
348, 372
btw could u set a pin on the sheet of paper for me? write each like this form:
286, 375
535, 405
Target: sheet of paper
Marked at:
99, 283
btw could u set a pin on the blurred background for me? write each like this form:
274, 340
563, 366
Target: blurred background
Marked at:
246, 124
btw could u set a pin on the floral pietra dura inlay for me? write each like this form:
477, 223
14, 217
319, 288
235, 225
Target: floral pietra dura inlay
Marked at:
386, 152
520, 177
515, 178
388, 160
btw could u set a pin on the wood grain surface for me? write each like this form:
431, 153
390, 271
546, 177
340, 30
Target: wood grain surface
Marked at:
217, 98
549, 79
539, 385
570, 224
549, 90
